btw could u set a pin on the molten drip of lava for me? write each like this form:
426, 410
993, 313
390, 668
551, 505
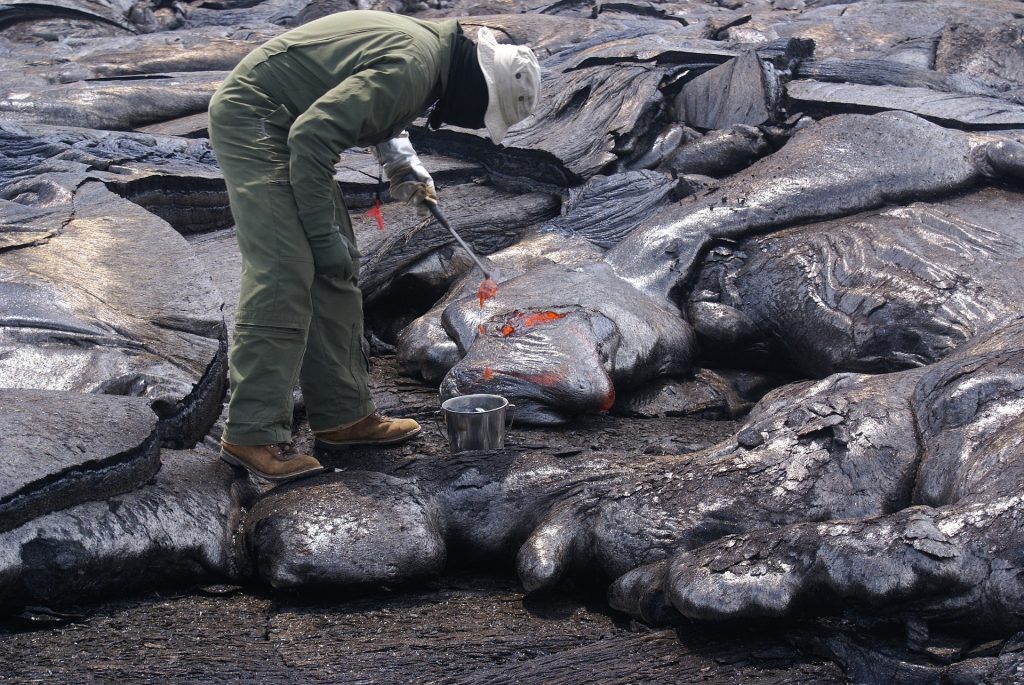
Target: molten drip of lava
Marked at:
486, 291
488, 374
375, 214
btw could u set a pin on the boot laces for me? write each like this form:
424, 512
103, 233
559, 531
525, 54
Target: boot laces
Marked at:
286, 450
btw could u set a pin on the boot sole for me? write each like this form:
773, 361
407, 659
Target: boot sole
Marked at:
234, 461
328, 445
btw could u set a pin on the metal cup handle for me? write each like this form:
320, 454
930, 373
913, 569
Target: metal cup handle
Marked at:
511, 416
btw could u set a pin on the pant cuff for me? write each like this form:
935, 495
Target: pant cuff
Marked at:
254, 434
326, 422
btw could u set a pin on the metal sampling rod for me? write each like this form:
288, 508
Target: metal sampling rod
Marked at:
436, 211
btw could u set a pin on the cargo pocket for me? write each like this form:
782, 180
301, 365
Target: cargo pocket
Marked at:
270, 141
276, 123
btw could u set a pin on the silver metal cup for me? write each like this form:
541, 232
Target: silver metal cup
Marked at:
475, 422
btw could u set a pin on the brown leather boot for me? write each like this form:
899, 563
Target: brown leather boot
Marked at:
374, 429
273, 462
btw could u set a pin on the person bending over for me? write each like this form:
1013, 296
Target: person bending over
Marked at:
277, 125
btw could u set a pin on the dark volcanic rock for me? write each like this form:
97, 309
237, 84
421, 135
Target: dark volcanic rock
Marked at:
988, 53
952, 559
886, 72
841, 448
114, 302
358, 173
872, 292
955, 109
592, 109
118, 104
101, 295
176, 530
550, 35
663, 145
116, 12
969, 412
559, 145
189, 126
58, 449
866, 663
707, 394
425, 348
868, 29
388, 533
218, 251
829, 169
605, 209
175, 178
559, 340
203, 50
41, 148
719, 153
744, 90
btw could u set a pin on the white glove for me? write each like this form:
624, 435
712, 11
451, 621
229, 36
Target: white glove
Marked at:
409, 180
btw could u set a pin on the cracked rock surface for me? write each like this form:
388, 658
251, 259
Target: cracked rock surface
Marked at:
60, 449
102, 296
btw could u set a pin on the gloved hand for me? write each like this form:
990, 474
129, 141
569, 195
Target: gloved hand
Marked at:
413, 185
331, 255
409, 180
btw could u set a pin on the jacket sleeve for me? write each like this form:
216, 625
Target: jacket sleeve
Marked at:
359, 110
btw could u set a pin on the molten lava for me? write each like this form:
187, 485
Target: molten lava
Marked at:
519, 320
541, 317
375, 214
488, 374
486, 291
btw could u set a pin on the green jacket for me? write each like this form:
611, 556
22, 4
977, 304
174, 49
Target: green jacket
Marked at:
349, 79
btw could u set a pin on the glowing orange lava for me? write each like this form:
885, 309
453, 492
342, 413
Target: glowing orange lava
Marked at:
549, 379
518, 321
375, 214
541, 317
486, 291
488, 374
481, 330
607, 401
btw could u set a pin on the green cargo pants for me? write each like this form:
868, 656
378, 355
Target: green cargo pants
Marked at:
291, 325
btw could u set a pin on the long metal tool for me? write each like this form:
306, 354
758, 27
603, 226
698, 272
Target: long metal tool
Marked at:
436, 211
